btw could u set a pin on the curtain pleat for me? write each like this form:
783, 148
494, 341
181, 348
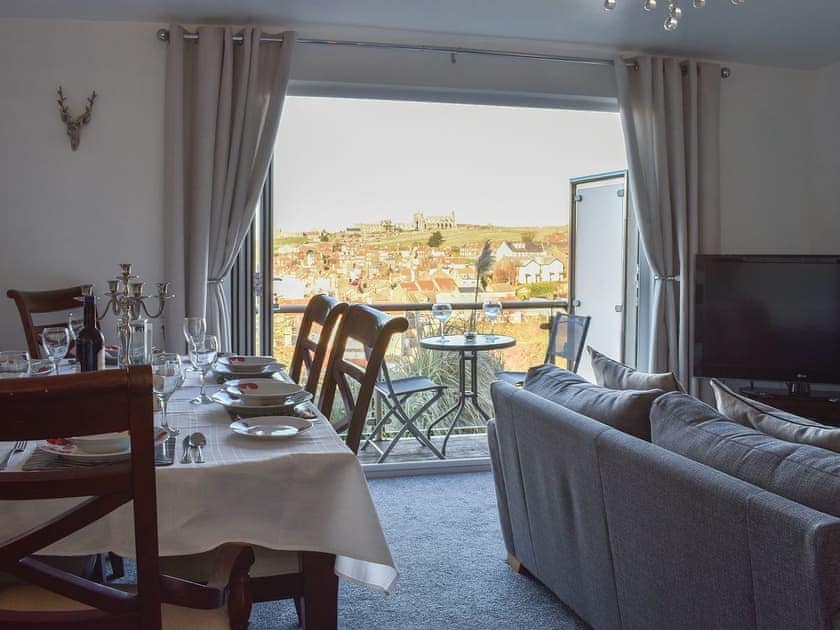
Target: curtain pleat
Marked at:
223, 107
670, 115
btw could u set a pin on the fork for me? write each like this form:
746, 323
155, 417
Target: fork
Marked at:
19, 447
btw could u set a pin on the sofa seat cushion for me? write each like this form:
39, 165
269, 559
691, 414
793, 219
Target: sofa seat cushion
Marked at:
626, 410
615, 375
780, 424
806, 474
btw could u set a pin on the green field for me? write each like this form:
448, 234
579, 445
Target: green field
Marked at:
451, 238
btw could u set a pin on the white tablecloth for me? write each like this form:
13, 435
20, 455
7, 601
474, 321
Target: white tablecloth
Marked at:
306, 493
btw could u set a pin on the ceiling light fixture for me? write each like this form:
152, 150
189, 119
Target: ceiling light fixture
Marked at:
674, 11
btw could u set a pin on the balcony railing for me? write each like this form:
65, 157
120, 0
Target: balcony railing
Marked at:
524, 320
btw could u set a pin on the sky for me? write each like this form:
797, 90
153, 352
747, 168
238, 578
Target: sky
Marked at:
342, 161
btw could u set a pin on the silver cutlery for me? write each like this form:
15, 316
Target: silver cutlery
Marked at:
19, 447
197, 440
186, 458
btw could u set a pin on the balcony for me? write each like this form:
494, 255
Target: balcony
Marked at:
524, 320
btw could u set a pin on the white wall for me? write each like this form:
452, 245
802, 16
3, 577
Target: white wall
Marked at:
71, 217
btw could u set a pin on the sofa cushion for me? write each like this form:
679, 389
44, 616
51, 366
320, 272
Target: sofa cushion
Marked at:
781, 424
626, 410
615, 375
806, 474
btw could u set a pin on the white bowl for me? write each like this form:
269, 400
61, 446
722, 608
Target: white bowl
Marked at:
242, 363
103, 442
261, 390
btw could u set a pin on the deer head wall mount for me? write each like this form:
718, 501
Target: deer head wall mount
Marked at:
74, 123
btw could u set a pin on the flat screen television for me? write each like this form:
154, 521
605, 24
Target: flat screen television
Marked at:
774, 318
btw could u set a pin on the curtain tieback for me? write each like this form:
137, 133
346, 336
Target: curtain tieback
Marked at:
213, 282
667, 278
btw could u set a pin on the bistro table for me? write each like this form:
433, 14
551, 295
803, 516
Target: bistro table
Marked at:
307, 493
468, 350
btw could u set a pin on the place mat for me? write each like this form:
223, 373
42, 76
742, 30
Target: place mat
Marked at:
43, 460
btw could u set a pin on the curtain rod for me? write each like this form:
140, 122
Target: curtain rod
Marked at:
163, 35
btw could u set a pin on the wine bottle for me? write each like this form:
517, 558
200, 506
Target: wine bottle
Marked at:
90, 343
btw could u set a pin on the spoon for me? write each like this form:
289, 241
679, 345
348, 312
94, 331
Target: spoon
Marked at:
186, 458
198, 440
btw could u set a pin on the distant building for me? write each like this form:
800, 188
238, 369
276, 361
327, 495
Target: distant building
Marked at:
423, 223
509, 249
547, 270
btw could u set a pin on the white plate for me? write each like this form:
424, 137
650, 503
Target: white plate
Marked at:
270, 427
267, 371
259, 391
235, 405
103, 443
238, 363
68, 450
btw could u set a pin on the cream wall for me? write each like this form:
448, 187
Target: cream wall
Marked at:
69, 217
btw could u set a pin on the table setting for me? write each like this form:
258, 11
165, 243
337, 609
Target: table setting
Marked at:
250, 460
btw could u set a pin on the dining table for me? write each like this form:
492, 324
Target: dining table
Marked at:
307, 493
468, 349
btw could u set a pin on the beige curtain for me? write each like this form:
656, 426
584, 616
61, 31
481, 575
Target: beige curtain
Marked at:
223, 106
670, 112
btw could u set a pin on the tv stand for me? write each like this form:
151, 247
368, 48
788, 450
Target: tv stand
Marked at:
822, 408
798, 388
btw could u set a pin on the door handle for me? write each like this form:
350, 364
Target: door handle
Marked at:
575, 303
619, 308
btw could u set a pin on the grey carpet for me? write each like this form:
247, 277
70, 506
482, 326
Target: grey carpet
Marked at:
444, 535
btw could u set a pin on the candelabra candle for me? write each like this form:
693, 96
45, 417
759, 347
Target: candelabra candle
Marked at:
127, 302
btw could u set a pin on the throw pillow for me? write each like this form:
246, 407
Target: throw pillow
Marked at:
615, 375
780, 424
799, 472
626, 410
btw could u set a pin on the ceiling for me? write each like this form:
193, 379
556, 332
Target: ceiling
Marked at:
783, 33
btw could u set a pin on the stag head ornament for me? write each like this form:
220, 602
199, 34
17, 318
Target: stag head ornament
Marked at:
74, 123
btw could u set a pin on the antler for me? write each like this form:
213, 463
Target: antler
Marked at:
62, 105
85, 117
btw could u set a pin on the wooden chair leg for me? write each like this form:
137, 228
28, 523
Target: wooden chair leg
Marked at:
320, 591
240, 599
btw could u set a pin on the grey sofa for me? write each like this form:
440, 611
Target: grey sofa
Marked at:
631, 535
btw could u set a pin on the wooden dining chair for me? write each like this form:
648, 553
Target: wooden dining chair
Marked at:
85, 404
325, 312
354, 372
31, 303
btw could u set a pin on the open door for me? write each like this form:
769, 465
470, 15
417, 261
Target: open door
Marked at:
604, 255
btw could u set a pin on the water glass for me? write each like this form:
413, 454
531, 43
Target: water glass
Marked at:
442, 312
14, 363
203, 355
168, 376
56, 343
194, 329
75, 323
492, 310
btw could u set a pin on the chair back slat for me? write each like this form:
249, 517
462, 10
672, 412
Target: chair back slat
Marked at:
63, 406
326, 312
31, 303
567, 339
355, 376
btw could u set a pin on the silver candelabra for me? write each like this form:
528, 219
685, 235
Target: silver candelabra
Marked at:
127, 302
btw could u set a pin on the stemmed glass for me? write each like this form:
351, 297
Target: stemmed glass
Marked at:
492, 310
203, 354
167, 377
442, 312
56, 342
194, 330
75, 324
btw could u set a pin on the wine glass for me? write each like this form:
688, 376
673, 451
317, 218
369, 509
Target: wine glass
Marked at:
56, 342
442, 312
203, 354
492, 310
194, 330
14, 363
167, 376
75, 323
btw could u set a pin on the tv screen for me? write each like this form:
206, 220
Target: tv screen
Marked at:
768, 318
